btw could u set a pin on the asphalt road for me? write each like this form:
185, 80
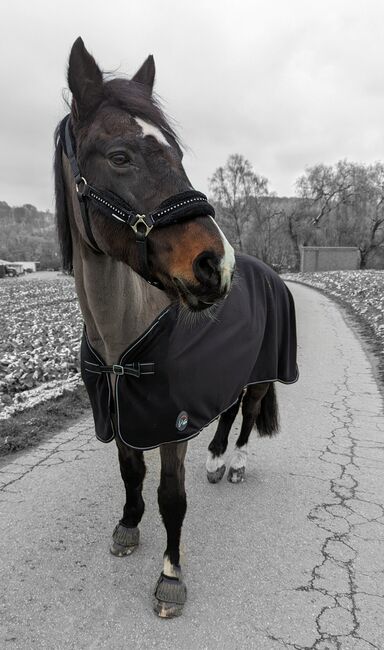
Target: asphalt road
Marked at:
292, 558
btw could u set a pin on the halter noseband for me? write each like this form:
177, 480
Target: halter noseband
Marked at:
185, 205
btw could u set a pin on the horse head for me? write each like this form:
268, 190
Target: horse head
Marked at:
125, 147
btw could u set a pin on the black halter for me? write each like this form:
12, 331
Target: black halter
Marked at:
185, 205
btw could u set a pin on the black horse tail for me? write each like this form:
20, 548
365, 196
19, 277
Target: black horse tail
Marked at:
267, 421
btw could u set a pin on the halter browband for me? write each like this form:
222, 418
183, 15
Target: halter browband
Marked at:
182, 206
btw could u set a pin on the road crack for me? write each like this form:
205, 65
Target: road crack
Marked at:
339, 518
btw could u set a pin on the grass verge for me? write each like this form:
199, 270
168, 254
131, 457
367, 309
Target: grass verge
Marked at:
32, 426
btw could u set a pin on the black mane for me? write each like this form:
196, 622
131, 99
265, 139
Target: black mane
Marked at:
62, 217
120, 93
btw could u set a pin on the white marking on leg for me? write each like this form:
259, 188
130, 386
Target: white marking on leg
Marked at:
169, 569
150, 129
227, 263
214, 462
239, 458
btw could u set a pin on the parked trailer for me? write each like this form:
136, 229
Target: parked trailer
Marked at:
14, 268
8, 270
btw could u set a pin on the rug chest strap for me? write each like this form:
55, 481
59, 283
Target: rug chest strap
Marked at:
133, 369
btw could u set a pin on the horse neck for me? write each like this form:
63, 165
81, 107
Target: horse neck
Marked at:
117, 304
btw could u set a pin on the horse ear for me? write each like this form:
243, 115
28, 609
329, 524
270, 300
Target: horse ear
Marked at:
146, 74
85, 80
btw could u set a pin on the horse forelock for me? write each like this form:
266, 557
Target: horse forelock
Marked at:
135, 100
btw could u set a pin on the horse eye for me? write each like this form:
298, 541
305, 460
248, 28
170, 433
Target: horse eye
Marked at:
119, 158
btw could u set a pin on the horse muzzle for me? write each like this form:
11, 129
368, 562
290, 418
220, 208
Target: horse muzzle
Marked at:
213, 282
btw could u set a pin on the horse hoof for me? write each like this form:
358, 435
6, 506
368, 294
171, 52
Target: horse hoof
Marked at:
169, 597
124, 540
236, 475
215, 477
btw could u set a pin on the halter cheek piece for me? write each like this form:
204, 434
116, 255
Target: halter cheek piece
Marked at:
178, 207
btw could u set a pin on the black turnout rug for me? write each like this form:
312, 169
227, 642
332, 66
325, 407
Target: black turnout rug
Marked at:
178, 377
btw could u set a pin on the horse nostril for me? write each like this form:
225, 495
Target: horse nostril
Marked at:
206, 269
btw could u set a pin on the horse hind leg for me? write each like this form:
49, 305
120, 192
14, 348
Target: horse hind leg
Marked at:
215, 464
171, 593
259, 408
125, 537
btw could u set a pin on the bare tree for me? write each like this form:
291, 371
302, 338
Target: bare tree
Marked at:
236, 189
290, 229
327, 187
348, 199
373, 237
296, 215
337, 205
264, 235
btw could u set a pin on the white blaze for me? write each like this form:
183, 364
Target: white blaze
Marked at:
150, 129
227, 263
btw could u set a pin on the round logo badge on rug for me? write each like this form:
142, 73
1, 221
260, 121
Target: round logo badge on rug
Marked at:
182, 420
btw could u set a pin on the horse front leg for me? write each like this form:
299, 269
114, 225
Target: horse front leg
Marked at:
125, 537
171, 593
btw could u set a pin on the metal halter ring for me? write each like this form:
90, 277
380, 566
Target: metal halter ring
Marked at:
81, 186
141, 225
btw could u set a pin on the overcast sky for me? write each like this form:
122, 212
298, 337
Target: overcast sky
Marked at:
285, 83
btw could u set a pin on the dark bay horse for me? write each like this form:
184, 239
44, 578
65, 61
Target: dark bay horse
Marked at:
127, 272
